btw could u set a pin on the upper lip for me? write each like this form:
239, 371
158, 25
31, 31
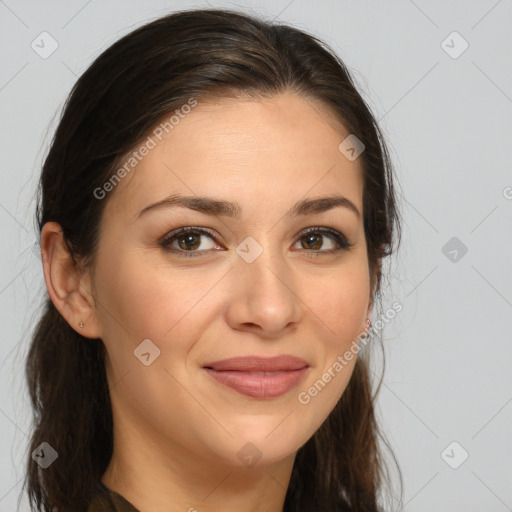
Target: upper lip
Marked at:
257, 363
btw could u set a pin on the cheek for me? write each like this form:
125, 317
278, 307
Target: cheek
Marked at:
145, 298
342, 310
148, 301
142, 300
340, 300
339, 304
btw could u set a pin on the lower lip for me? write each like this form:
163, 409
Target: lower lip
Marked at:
259, 386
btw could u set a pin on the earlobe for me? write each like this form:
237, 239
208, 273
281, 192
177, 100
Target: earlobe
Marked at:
368, 322
68, 286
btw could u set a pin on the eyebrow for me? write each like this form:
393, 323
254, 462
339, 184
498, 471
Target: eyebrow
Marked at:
211, 206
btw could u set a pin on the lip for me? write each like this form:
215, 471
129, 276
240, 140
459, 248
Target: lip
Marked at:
259, 377
258, 364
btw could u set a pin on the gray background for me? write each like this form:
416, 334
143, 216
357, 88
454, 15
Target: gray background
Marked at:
449, 125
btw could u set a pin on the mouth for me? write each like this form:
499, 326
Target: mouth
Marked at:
259, 377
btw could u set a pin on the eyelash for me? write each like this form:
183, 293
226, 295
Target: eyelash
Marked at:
337, 236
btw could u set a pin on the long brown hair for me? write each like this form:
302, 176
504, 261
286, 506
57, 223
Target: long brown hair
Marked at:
113, 106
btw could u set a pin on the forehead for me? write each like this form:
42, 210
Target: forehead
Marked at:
278, 146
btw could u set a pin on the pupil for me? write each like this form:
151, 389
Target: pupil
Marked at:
312, 239
189, 240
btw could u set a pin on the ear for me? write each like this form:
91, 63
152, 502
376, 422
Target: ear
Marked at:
69, 286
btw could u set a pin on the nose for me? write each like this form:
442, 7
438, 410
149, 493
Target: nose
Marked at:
263, 296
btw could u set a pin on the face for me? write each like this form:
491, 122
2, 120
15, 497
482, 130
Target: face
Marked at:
253, 281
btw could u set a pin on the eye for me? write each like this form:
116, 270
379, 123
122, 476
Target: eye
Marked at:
186, 241
313, 239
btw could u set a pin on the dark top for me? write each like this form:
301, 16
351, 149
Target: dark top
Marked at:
107, 500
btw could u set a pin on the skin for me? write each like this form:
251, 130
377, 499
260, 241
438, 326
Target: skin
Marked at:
177, 431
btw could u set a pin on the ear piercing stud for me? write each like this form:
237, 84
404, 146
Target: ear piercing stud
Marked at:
81, 324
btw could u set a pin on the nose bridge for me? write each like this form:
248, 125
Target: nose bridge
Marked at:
262, 259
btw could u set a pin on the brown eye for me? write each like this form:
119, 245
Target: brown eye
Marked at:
315, 238
312, 241
188, 241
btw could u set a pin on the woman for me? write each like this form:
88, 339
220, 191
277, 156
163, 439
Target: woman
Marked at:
214, 212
